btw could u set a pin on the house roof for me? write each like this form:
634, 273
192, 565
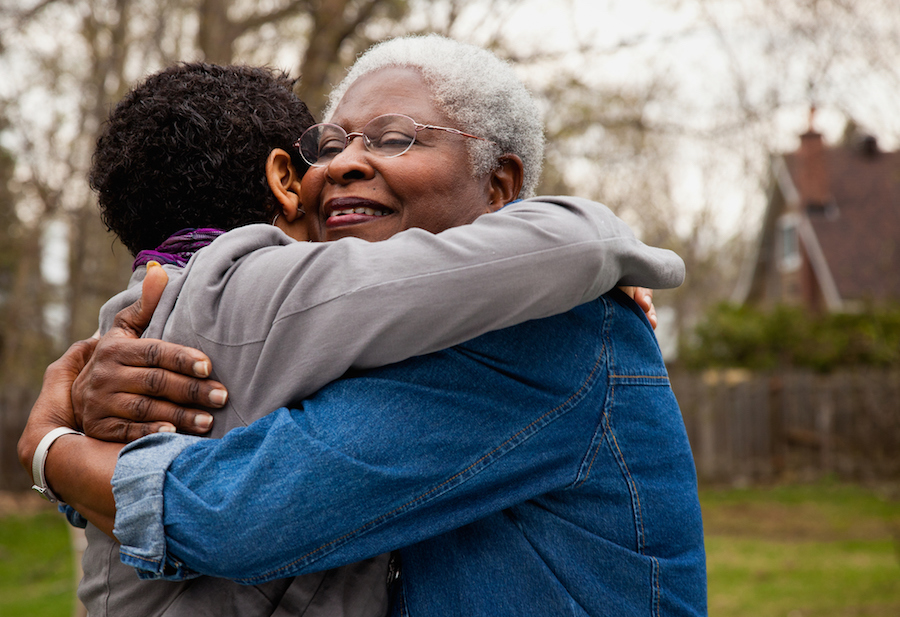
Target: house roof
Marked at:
850, 195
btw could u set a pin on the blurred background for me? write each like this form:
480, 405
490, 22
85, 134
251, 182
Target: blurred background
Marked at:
756, 138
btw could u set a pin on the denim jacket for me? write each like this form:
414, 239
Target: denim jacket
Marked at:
542, 469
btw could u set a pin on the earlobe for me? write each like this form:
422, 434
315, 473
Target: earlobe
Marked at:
506, 181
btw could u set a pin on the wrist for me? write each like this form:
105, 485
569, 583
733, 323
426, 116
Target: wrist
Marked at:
39, 459
28, 443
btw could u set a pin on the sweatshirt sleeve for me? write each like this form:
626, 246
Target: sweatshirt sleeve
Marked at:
315, 310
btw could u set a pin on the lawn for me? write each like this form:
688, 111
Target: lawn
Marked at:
36, 566
803, 551
823, 550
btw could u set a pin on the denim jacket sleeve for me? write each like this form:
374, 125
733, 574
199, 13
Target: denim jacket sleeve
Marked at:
138, 489
373, 462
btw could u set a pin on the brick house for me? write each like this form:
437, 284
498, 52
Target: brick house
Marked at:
830, 239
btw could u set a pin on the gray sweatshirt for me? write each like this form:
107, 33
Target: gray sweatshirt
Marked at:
280, 319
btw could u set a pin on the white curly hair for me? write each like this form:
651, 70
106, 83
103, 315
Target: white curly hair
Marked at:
475, 88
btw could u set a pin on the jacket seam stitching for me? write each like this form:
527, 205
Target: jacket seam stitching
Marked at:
633, 489
604, 423
657, 592
376, 521
659, 377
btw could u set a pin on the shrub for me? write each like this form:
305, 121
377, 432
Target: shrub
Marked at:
739, 336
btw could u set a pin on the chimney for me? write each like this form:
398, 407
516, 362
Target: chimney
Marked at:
812, 170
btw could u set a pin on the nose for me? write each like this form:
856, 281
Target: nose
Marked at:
352, 163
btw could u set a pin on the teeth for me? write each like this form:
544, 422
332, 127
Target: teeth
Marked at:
366, 211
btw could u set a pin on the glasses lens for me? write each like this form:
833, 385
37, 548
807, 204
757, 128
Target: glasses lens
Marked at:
390, 134
321, 143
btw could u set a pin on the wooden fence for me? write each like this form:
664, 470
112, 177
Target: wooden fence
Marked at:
743, 426
747, 427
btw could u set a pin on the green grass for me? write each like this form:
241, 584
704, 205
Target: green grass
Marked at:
801, 551
36, 566
821, 550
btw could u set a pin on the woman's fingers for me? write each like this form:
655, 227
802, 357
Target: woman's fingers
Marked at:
644, 299
152, 353
124, 388
131, 386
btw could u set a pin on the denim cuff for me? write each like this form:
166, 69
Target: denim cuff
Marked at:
138, 489
72, 515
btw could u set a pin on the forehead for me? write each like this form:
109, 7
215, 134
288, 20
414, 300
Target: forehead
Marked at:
398, 90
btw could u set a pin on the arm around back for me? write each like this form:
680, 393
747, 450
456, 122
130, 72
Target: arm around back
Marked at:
322, 309
257, 303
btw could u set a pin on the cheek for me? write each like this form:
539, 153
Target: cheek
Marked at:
442, 179
311, 187
450, 198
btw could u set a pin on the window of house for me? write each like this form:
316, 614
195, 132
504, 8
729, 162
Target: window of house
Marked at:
828, 211
788, 243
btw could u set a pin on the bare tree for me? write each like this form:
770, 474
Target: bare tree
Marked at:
681, 150
623, 142
63, 86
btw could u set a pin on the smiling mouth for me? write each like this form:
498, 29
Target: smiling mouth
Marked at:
351, 211
366, 211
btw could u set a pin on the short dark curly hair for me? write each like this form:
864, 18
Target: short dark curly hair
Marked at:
187, 147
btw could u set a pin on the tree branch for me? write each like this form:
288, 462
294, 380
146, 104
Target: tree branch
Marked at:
254, 22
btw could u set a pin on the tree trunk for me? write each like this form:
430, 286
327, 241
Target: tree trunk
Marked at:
217, 33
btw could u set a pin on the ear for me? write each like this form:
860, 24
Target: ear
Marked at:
506, 181
284, 182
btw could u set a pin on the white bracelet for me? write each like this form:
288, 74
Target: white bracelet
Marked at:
40, 459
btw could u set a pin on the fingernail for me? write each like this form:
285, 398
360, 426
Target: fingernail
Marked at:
166, 428
203, 421
152, 264
218, 397
201, 368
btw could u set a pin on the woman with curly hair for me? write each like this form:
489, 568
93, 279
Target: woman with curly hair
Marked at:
187, 148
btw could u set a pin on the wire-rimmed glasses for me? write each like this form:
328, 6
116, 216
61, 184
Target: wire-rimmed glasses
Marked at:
388, 135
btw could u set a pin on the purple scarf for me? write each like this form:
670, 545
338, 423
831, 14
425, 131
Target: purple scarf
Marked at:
178, 248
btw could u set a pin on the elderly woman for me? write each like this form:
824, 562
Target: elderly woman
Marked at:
540, 469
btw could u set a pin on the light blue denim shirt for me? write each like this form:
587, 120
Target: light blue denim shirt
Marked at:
542, 469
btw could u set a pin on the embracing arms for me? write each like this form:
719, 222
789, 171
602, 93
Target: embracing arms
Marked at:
596, 237
79, 468
262, 307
